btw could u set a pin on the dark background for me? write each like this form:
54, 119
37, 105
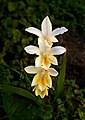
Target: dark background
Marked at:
15, 16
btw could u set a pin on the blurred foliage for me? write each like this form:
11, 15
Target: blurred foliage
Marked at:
18, 105
71, 105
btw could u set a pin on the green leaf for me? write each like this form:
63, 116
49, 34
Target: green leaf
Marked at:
31, 2
16, 35
76, 91
11, 6
20, 91
61, 78
19, 108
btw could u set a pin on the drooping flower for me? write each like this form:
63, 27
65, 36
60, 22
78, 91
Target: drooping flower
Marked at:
46, 54
41, 93
46, 32
42, 80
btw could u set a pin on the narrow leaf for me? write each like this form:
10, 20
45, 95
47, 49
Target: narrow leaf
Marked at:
21, 92
61, 78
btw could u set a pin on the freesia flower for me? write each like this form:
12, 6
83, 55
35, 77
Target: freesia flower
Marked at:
46, 32
46, 54
39, 92
46, 36
42, 80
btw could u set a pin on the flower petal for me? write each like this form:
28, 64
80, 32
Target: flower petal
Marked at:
53, 39
31, 69
52, 72
43, 93
36, 79
53, 60
42, 84
59, 31
49, 41
40, 40
38, 61
46, 91
34, 30
46, 62
48, 81
44, 46
58, 50
37, 91
46, 26
32, 49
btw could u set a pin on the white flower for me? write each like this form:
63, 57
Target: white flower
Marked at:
42, 80
46, 32
45, 53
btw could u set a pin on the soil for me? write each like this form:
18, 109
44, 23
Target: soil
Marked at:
75, 45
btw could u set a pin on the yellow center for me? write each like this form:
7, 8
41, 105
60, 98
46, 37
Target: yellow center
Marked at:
46, 60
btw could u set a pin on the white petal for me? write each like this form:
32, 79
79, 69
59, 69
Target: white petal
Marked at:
35, 79
31, 69
53, 60
44, 47
53, 39
43, 93
40, 40
34, 30
32, 49
58, 50
38, 61
46, 26
52, 72
49, 41
59, 31
37, 91
48, 81
46, 92
46, 67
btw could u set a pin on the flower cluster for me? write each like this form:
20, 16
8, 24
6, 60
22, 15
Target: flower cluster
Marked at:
45, 52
